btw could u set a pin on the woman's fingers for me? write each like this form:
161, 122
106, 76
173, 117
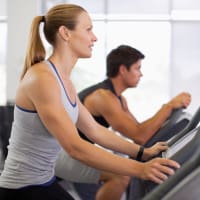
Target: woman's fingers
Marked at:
161, 168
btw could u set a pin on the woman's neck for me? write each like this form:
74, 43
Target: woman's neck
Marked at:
63, 63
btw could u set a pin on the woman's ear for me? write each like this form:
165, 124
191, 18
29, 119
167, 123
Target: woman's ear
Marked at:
64, 33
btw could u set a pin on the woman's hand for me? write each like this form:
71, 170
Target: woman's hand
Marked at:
154, 150
158, 169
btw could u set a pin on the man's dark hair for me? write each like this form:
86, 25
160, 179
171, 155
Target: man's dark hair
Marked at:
123, 54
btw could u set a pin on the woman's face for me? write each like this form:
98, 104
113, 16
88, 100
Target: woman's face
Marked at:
82, 38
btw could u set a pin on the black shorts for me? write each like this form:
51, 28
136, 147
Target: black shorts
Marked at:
51, 192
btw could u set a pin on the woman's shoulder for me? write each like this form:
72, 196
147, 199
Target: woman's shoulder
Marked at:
39, 67
39, 75
40, 70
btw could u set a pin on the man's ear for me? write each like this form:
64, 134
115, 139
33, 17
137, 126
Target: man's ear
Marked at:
64, 33
122, 69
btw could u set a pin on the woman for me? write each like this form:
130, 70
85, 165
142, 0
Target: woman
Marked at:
48, 110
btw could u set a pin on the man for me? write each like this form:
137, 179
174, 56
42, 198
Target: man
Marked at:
109, 107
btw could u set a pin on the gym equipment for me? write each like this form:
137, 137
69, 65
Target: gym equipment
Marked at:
144, 187
190, 126
176, 122
187, 189
184, 182
6, 118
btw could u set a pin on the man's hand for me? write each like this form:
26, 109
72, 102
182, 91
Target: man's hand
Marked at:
181, 100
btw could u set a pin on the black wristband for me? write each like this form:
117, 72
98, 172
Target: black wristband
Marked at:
140, 153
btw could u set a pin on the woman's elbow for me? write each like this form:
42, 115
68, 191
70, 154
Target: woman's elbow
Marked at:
76, 150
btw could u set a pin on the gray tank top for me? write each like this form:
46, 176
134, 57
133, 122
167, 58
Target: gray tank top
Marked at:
32, 149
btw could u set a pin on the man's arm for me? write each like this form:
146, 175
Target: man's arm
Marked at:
106, 104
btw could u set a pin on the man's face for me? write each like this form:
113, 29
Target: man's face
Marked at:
132, 76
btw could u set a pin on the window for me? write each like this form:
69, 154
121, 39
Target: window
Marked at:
152, 28
150, 37
167, 32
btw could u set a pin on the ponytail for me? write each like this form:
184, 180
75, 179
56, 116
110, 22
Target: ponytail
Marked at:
35, 51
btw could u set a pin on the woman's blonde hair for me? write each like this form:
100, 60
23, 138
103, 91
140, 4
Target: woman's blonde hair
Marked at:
59, 15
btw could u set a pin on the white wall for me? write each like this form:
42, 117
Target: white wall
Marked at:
20, 14
185, 60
